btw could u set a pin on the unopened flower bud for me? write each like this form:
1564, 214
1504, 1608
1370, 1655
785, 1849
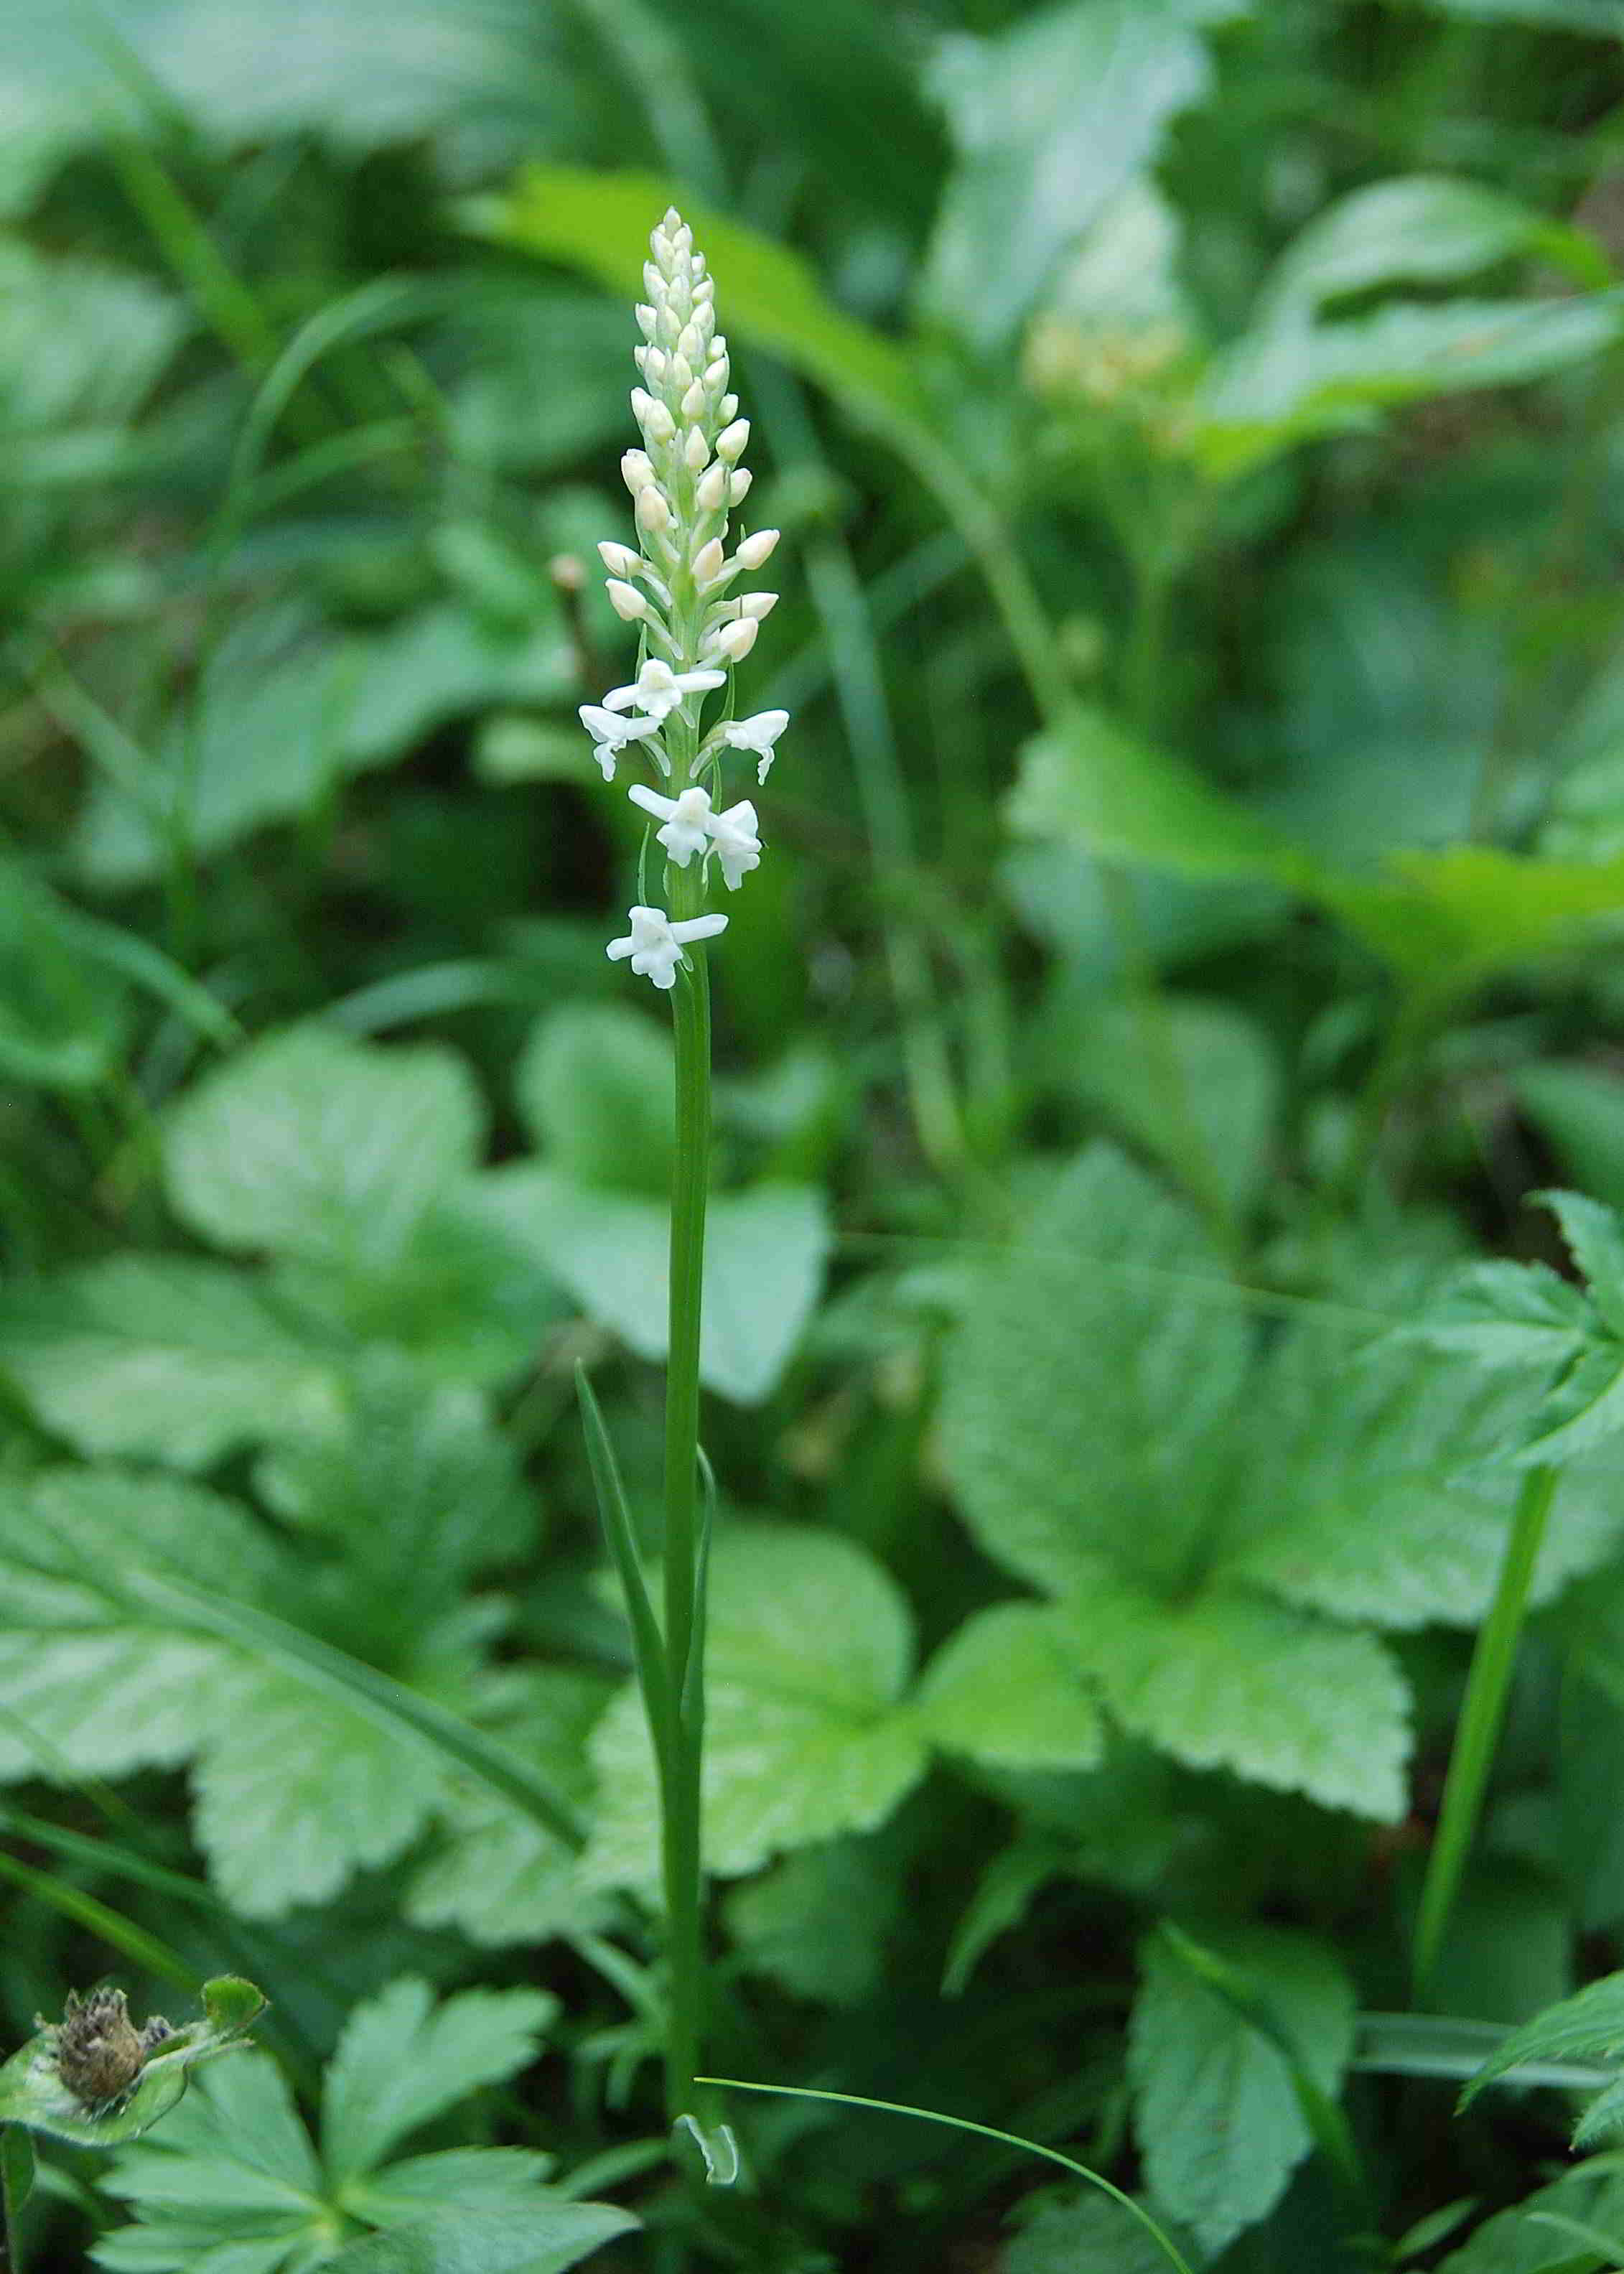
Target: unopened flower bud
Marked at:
708, 562
652, 513
756, 550
619, 560
739, 486
626, 601
695, 403
637, 470
731, 442
696, 450
758, 605
727, 408
653, 283
679, 372
690, 343
646, 320
661, 247
658, 423
716, 380
735, 639
711, 495
642, 402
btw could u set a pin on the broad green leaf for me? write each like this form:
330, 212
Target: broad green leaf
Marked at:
415, 1486
1372, 1491
1419, 229
764, 1252
494, 1874
33, 2094
1002, 1689
1089, 1397
1293, 379
1051, 118
161, 1357
403, 2060
596, 1089
1463, 913
1083, 2231
1219, 2126
296, 1789
1225, 1679
806, 1736
469, 1302
1088, 782
310, 1145
84, 1686
1231, 1079
818, 1921
600, 223
544, 2240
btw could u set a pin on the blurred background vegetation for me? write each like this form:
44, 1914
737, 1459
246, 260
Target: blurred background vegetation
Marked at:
1198, 432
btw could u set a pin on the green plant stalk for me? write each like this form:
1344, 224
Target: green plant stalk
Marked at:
684, 1640
1482, 1716
16, 2183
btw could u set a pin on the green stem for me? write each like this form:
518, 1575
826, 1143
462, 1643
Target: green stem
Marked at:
1482, 1716
680, 1815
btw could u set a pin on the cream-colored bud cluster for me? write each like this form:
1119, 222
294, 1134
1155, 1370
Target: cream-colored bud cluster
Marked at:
677, 585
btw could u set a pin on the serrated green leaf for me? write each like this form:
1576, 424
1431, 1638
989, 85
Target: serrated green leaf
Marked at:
495, 1873
161, 1357
402, 2060
1516, 2242
810, 1646
1588, 2026
1218, 2121
450, 2179
1089, 1396
1003, 1690
596, 1089
1225, 1679
1595, 1237
33, 2094
296, 1789
1373, 1491
85, 1687
764, 1254
415, 1486
310, 1145
1506, 1315
542, 2240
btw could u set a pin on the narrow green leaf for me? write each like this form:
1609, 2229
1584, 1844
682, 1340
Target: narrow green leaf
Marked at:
648, 1644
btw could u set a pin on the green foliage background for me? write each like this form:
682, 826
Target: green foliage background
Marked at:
1193, 929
